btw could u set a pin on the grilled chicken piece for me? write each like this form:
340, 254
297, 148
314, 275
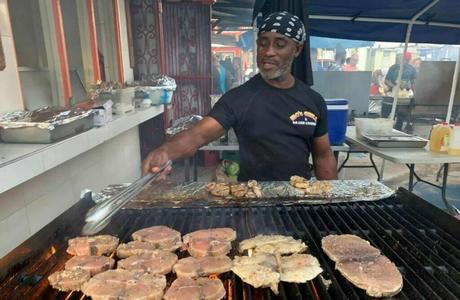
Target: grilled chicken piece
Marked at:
299, 182
218, 189
197, 267
238, 190
224, 234
135, 248
260, 270
123, 284
157, 262
195, 289
378, 275
92, 264
347, 247
69, 280
280, 244
256, 189
299, 268
161, 237
92, 245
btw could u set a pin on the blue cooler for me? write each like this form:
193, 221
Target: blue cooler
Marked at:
337, 118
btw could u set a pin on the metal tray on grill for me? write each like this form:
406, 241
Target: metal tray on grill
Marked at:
400, 140
194, 194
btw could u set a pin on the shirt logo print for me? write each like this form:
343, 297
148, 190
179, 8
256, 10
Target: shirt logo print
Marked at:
304, 118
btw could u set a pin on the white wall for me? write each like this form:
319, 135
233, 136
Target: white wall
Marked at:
27, 208
10, 97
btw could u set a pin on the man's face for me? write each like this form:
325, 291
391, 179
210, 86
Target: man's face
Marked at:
275, 54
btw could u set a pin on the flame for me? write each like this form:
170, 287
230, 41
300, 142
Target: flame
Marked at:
250, 252
69, 295
212, 276
229, 289
52, 249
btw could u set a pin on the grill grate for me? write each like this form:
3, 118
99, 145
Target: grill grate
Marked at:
427, 255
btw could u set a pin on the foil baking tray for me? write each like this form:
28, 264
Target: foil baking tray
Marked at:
194, 194
401, 140
44, 125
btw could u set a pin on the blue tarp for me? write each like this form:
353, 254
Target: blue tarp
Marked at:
445, 11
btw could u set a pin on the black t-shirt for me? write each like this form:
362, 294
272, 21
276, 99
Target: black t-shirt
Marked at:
275, 127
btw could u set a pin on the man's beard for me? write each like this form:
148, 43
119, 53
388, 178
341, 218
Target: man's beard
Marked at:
284, 69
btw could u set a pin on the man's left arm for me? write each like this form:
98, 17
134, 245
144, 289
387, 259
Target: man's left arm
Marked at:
324, 162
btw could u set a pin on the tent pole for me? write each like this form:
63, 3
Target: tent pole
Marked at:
454, 87
254, 47
401, 63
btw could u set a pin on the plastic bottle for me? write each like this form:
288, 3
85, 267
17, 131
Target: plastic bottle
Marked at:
439, 138
454, 141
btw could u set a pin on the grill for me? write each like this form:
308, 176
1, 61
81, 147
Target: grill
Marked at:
420, 239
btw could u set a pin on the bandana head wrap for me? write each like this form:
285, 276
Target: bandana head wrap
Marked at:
286, 24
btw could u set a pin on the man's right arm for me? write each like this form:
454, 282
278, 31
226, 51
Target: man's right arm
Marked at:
183, 144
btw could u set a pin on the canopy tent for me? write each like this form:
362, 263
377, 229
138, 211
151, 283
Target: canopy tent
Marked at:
246, 42
417, 21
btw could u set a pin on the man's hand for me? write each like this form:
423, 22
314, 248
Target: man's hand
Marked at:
182, 145
154, 161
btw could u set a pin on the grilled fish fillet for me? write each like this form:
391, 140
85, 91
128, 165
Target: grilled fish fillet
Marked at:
69, 280
198, 267
161, 237
280, 244
346, 247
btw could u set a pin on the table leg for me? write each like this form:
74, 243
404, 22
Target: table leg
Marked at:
374, 165
444, 188
336, 155
187, 169
195, 168
411, 177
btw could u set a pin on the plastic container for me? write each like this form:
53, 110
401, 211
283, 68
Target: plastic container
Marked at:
454, 141
373, 127
160, 96
337, 119
439, 138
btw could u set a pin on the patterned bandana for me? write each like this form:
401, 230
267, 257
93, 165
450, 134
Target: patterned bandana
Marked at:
286, 24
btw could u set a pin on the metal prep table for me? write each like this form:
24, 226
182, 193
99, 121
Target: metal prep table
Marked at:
218, 146
410, 157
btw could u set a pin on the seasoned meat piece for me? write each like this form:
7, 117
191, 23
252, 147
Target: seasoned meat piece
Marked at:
256, 189
218, 189
203, 266
225, 234
124, 284
195, 289
199, 247
92, 245
280, 244
299, 182
134, 248
161, 237
157, 262
238, 190
260, 270
378, 275
69, 280
92, 264
321, 188
299, 268
347, 247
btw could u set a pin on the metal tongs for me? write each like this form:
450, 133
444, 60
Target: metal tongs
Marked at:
98, 217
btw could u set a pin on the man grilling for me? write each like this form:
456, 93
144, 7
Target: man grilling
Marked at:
278, 120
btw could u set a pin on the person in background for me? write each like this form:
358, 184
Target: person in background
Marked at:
279, 120
408, 76
217, 88
416, 62
352, 64
377, 88
339, 60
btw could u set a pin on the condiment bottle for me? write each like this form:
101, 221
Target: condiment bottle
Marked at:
439, 138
